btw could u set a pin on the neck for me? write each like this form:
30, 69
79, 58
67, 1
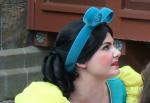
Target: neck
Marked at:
90, 90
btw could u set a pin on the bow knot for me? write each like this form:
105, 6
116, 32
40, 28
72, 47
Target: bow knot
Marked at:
94, 16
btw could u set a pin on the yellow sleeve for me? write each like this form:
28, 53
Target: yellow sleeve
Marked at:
133, 82
41, 92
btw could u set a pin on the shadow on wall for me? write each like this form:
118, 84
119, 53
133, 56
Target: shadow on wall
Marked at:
137, 55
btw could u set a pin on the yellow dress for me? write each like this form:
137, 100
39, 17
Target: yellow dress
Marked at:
41, 92
133, 83
44, 92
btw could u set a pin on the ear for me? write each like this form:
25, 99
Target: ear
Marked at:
81, 65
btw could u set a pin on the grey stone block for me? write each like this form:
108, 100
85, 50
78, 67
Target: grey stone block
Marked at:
13, 21
7, 101
2, 60
34, 56
21, 57
18, 68
12, 58
12, 1
34, 74
15, 81
2, 84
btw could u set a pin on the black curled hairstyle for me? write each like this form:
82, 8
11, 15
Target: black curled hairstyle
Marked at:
54, 64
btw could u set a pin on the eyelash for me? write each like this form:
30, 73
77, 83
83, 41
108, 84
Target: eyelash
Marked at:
107, 47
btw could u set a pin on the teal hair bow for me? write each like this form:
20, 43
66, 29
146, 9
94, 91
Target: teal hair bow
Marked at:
92, 17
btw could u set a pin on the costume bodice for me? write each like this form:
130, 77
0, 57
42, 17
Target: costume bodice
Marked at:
117, 90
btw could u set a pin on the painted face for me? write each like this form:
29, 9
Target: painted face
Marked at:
105, 61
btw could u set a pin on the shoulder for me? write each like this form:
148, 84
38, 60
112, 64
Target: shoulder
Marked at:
130, 76
41, 92
133, 83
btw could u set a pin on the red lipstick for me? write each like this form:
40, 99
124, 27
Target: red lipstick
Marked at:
115, 63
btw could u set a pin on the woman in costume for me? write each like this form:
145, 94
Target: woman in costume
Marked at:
83, 66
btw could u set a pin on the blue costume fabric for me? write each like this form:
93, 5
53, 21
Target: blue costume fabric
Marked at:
117, 90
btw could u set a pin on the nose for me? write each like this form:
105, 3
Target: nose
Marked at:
117, 53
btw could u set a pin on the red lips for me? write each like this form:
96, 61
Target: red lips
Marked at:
115, 63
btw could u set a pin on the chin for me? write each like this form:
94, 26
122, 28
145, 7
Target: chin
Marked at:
115, 72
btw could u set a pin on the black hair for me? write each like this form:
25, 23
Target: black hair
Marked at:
53, 67
145, 95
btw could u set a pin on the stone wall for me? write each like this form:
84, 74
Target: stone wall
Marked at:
18, 68
13, 14
20, 63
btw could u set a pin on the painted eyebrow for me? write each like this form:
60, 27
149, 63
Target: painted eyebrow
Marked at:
107, 43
